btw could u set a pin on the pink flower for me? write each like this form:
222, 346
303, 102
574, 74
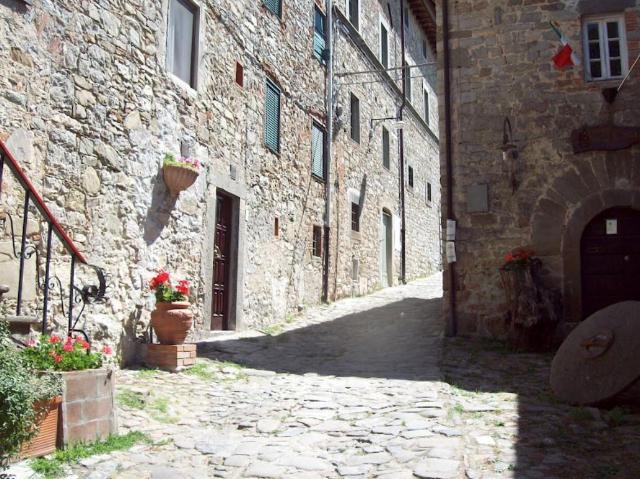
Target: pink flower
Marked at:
31, 343
85, 345
79, 340
107, 350
68, 347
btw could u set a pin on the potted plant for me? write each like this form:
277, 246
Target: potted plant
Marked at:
29, 404
88, 407
171, 320
179, 172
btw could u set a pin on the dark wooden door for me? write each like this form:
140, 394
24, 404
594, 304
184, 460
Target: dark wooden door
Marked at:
610, 251
221, 263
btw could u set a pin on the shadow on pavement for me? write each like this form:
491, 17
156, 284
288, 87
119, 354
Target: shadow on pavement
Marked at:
400, 340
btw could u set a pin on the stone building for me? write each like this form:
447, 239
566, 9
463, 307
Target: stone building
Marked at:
94, 94
568, 182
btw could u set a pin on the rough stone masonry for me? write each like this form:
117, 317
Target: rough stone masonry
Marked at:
89, 109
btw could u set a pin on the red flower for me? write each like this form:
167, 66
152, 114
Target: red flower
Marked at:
53, 354
54, 339
68, 347
79, 340
57, 358
508, 258
183, 287
161, 278
107, 350
85, 345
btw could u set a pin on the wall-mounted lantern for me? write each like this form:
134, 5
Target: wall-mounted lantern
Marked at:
510, 155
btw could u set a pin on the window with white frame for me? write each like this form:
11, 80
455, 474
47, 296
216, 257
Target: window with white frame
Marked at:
384, 43
353, 12
605, 47
182, 36
318, 152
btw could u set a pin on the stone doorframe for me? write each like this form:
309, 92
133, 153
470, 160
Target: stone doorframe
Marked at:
557, 228
238, 193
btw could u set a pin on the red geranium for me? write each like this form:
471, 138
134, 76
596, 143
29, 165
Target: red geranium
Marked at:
183, 287
107, 350
518, 258
161, 278
164, 290
54, 339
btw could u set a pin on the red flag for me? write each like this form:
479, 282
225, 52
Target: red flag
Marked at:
563, 58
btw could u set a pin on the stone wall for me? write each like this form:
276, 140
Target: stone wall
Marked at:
502, 67
89, 108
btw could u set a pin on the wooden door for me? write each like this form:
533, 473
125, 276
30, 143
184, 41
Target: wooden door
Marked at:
610, 255
221, 263
386, 250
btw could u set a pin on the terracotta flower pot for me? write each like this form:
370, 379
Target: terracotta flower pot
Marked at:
178, 179
45, 441
172, 321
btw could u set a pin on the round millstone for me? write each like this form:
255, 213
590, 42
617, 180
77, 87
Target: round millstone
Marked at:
599, 359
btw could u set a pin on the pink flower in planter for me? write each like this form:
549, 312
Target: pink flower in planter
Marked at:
107, 350
68, 347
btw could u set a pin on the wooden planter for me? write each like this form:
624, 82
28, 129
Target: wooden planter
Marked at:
45, 441
178, 178
172, 322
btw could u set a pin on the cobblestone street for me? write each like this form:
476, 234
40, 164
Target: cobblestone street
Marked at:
357, 390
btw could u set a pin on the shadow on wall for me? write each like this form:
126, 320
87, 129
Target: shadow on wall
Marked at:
159, 212
18, 6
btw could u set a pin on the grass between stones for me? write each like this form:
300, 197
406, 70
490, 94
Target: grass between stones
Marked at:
219, 371
53, 466
158, 408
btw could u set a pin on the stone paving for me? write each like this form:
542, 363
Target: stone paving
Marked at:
360, 389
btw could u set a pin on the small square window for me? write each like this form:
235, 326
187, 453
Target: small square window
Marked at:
239, 74
182, 35
274, 6
355, 118
411, 177
355, 217
316, 246
605, 47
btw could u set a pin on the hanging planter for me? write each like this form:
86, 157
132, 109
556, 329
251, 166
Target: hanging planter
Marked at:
179, 172
172, 319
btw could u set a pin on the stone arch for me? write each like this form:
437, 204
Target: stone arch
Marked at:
560, 216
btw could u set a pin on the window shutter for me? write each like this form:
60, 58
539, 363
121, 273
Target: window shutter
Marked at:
274, 6
272, 117
355, 118
317, 152
384, 46
319, 36
426, 106
354, 13
385, 148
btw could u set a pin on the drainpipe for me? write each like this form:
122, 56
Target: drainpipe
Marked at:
405, 72
452, 321
329, 147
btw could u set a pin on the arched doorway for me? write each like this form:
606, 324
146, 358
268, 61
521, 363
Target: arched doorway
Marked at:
610, 259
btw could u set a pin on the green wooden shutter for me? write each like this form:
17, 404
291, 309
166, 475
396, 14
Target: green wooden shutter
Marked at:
385, 148
272, 117
317, 152
384, 46
355, 118
274, 6
319, 36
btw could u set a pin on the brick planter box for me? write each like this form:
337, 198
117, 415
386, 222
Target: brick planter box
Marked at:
88, 406
170, 357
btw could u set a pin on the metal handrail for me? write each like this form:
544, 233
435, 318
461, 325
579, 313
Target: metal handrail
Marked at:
7, 156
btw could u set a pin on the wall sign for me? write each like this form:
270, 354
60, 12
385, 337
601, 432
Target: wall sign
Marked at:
604, 138
612, 227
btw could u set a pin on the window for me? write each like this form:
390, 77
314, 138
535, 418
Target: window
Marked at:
355, 217
411, 177
274, 6
429, 192
318, 157
182, 34
272, 117
239, 74
353, 12
355, 118
406, 16
424, 48
605, 48
407, 81
276, 227
425, 94
384, 45
386, 150
316, 246
319, 34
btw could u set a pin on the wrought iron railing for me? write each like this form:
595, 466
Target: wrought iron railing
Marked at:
75, 298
